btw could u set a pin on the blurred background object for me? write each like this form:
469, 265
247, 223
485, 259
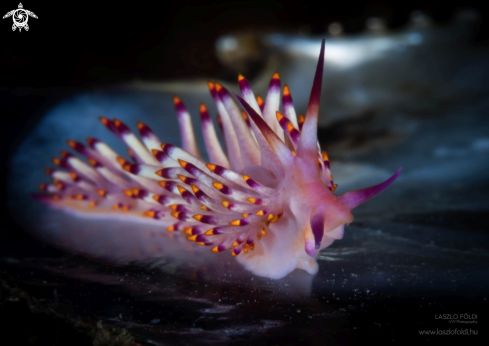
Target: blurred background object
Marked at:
406, 84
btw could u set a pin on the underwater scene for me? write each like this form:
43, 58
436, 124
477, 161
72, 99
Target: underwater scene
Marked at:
165, 222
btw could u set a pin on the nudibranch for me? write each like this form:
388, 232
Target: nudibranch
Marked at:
269, 198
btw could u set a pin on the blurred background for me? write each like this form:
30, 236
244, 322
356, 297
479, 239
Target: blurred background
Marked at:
406, 84
95, 45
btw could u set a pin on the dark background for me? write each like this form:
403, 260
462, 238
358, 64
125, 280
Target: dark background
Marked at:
81, 45
91, 42
86, 44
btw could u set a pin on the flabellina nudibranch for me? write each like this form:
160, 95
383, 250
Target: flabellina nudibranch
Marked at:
269, 199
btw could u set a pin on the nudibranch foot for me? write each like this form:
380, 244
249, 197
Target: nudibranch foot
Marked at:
268, 199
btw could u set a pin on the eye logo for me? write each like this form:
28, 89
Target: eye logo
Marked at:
20, 17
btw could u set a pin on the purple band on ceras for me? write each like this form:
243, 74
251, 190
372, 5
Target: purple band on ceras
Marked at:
187, 196
274, 85
161, 199
179, 226
171, 186
251, 183
287, 98
179, 107
212, 89
182, 216
258, 201
168, 148
78, 147
203, 239
294, 135
109, 124
92, 142
121, 127
201, 196
61, 163
209, 219
226, 190
161, 156
242, 222
204, 115
187, 180
245, 87
223, 94
95, 163
219, 170
198, 229
140, 193
182, 208
144, 130
189, 167
221, 248
168, 173
217, 230
159, 214
327, 164
132, 168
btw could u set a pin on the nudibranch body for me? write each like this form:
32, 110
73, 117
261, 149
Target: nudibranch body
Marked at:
269, 199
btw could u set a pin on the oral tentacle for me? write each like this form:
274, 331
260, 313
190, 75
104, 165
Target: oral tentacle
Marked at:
352, 199
308, 140
317, 227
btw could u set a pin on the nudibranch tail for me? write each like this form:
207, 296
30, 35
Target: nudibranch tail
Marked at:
268, 198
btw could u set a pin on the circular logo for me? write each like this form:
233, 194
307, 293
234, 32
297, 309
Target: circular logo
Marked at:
20, 17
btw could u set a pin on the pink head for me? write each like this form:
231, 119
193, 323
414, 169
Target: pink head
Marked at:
313, 215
